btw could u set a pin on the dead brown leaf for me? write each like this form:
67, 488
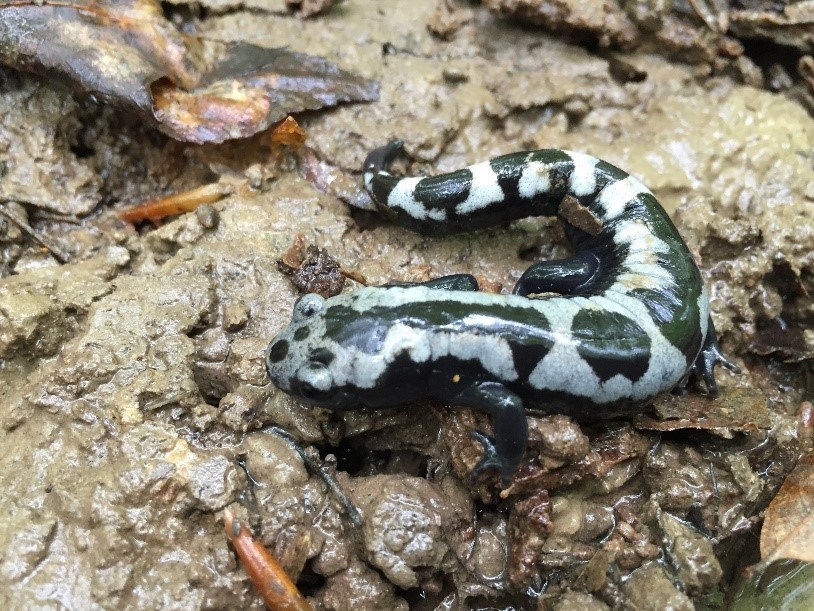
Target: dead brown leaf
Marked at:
287, 133
125, 52
788, 529
735, 411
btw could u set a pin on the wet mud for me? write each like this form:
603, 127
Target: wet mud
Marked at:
135, 403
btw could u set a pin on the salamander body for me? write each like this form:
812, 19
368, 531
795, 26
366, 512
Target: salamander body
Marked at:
595, 335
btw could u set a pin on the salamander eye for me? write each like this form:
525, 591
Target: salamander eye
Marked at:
308, 305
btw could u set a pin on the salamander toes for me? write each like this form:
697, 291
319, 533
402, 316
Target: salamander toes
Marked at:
491, 461
705, 363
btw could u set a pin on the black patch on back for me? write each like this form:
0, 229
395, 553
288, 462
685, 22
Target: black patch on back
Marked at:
444, 192
322, 355
301, 333
676, 315
610, 172
349, 329
526, 356
612, 344
663, 306
381, 186
508, 170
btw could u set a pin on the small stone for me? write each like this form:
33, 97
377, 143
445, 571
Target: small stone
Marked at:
207, 216
213, 483
649, 589
235, 316
691, 553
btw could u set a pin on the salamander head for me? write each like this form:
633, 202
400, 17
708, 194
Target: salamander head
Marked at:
328, 355
296, 360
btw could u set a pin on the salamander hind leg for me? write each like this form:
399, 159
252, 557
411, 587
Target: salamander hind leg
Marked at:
565, 276
708, 358
503, 452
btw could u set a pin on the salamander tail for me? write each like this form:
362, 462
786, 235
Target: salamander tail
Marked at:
380, 159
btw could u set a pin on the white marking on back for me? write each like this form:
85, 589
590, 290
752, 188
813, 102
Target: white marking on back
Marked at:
667, 363
562, 368
493, 352
583, 178
534, 180
484, 191
615, 196
364, 370
403, 196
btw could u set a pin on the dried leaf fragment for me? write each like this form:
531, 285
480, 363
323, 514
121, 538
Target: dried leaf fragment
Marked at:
735, 411
788, 529
195, 90
287, 133
312, 269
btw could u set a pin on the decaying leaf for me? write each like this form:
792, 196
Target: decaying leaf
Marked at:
790, 341
312, 269
788, 529
287, 133
735, 411
125, 52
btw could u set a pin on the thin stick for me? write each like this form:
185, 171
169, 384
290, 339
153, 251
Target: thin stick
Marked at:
55, 250
278, 591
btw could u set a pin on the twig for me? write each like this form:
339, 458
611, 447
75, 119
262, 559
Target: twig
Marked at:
266, 573
55, 250
322, 472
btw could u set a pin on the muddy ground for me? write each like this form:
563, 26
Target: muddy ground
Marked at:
133, 391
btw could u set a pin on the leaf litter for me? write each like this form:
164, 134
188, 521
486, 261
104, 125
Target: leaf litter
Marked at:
788, 529
193, 89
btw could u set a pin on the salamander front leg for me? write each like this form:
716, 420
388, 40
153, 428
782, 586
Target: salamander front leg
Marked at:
503, 453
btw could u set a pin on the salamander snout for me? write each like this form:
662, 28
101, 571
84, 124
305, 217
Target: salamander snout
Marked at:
313, 381
287, 352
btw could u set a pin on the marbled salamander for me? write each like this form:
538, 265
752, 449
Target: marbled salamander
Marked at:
630, 317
